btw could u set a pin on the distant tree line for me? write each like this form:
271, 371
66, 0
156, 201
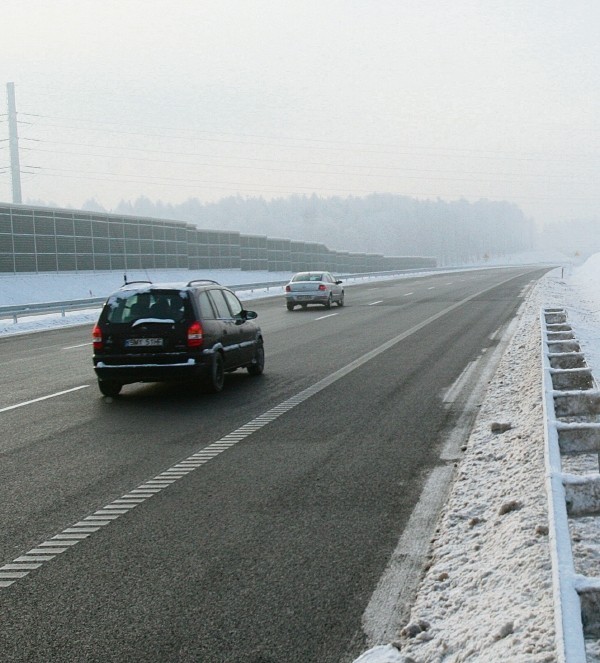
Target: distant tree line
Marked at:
455, 232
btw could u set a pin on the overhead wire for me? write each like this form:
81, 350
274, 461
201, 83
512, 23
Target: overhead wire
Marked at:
250, 187
263, 160
309, 143
288, 143
428, 172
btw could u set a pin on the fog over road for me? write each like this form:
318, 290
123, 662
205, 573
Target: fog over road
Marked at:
271, 547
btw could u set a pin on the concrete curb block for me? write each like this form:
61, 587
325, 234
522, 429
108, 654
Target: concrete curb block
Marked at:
571, 408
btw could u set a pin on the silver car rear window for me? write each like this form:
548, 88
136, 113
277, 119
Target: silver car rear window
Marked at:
308, 277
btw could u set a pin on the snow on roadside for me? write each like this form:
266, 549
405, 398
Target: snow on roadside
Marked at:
486, 594
21, 289
17, 289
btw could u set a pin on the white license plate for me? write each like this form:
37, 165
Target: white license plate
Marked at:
142, 342
305, 297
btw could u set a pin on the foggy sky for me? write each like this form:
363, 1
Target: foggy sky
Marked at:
191, 98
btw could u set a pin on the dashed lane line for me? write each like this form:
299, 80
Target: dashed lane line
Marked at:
47, 550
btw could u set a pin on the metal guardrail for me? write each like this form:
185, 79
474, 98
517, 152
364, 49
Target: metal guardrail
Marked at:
571, 408
42, 308
62, 307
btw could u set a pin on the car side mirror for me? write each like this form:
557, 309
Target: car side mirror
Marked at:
338, 282
249, 315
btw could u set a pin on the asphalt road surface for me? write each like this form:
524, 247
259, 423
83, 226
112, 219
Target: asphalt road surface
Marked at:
250, 526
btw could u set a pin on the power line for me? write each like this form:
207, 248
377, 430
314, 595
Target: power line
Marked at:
251, 187
255, 160
428, 174
319, 144
332, 168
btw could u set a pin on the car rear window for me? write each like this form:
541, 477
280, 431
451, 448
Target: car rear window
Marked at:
128, 307
308, 277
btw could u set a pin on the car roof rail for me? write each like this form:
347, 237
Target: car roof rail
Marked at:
202, 281
127, 283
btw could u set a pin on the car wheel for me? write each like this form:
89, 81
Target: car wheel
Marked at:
290, 307
216, 378
258, 363
109, 387
328, 302
341, 300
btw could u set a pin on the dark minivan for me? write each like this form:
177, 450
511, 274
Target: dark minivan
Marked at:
162, 332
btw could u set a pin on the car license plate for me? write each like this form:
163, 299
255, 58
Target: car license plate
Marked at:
305, 297
143, 342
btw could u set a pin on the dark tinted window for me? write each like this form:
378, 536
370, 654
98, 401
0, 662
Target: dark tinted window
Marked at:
127, 307
220, 304
235, 305
206, 307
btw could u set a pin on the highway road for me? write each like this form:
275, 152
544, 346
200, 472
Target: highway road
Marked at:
249, 526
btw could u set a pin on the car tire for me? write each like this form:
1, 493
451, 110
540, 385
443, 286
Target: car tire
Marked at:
216, 378
328, 302
258, 363
109, 387
290, 307
341, 300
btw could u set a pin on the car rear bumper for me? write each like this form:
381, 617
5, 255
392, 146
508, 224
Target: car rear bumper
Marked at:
127, 373
307, 298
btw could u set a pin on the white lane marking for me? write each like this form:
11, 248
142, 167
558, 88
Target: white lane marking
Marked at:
379, 301
329, 315
43, 398
431, 287
407, 294
457, 386
81, 345
74, 534
385, 611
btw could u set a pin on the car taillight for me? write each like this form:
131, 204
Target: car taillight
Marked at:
288, 289
195, 335
322, 287
97, 338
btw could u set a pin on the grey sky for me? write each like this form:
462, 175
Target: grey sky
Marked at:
429, 98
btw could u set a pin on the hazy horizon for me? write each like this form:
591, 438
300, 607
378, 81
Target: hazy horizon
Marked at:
172, 101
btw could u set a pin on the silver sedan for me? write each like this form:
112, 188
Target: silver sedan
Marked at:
313, 288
